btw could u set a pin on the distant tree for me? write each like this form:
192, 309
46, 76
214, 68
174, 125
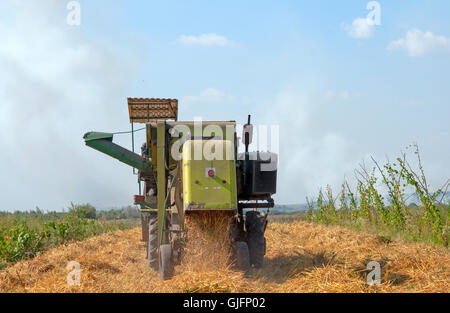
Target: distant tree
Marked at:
83, 211
131, 212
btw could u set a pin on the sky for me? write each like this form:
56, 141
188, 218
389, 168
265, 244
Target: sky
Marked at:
343, 81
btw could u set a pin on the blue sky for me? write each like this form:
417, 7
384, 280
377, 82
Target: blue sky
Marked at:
340, 90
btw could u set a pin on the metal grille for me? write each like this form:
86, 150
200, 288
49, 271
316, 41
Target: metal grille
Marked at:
143, 110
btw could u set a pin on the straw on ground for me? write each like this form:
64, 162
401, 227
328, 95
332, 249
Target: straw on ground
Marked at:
301, 257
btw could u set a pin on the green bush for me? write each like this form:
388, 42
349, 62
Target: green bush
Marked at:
23, 235
366, 209
83, 211
20, 242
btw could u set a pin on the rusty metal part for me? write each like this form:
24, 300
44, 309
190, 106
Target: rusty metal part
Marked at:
144, 110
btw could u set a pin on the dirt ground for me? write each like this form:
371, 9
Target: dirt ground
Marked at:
301, 257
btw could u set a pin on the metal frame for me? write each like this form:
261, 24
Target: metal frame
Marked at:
161, 181
144, 110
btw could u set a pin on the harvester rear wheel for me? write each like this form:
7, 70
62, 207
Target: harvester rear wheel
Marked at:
166, 262
256, 225
257, 250
242, 255
237, 232
152, 244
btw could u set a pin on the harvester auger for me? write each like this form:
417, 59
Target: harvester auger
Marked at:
195, 166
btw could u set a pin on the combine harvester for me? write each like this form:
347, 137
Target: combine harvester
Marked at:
189, 167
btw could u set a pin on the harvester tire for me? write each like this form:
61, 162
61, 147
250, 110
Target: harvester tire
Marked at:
166, 262
152, 244
237, 232
255, 223
242, 255
257, 250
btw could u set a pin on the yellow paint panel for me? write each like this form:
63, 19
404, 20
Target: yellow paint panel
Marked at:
201, 192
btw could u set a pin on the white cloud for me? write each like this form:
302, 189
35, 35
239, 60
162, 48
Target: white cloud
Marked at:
207, 40
361, 28
312, 152
336, 95
418, 43
56, 83
212, 103
209, 95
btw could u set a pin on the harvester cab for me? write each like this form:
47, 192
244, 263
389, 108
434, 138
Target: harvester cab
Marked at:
191, 167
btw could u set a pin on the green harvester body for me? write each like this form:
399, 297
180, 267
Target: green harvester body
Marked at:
181, 185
